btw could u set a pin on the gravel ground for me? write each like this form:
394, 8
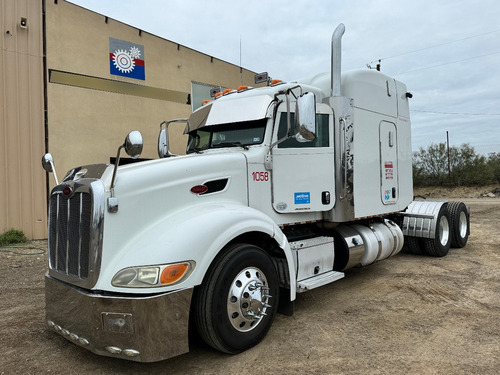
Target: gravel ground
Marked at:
405, 315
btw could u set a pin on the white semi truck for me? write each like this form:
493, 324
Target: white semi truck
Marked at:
282, 188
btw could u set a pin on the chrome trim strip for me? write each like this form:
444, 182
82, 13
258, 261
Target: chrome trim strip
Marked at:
80, 234
68, 217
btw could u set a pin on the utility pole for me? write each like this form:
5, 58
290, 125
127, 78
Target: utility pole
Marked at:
448, 152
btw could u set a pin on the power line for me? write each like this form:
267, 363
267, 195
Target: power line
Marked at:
456, 113
436, 45
447, 63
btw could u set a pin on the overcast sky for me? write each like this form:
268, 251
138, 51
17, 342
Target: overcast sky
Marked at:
447, 52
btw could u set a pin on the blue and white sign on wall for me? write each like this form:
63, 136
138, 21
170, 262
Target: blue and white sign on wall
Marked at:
126, 59
302, 198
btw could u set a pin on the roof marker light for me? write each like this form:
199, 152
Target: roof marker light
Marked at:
276, 82
244, 88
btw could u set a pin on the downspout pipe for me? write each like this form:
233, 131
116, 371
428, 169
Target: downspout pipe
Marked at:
336, 59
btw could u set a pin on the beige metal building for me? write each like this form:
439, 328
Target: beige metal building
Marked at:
74, 83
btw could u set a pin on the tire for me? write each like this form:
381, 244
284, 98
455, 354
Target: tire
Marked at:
459, 223
440, 245
236, 303
413, 245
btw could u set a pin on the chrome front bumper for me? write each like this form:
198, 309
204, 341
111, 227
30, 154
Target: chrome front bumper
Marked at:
143, 329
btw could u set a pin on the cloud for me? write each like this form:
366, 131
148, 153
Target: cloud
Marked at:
446, 52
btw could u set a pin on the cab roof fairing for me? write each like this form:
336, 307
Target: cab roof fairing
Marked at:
230, 111
250, 105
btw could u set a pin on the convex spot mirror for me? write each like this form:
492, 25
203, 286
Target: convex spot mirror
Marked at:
305, 117
133, 144
48, 165
163, 151
48, 162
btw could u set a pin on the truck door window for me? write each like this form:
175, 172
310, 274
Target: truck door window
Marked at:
322, 132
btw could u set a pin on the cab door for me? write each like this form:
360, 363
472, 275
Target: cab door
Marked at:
389, 176
303, 172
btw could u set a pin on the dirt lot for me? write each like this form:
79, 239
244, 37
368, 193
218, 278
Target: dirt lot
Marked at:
405, 315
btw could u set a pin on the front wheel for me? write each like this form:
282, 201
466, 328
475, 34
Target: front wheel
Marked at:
236, 303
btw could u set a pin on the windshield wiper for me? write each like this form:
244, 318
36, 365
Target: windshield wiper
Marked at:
230, 144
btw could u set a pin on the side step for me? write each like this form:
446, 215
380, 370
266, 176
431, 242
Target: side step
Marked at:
317, 281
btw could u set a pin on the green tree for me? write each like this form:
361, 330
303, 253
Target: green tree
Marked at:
494, 166
467, 167
462, 166
430, 166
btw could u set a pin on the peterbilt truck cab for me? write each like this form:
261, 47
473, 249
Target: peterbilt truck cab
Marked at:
281, 189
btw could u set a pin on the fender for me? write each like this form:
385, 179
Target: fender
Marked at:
420, 219
197, 233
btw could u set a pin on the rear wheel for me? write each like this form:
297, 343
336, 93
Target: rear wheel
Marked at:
459, 222
237, 301
440, 244
414, 245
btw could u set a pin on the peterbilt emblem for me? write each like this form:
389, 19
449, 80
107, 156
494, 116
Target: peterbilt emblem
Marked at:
67, 191
199, 189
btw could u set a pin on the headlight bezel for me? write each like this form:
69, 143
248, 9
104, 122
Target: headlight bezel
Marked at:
150, 276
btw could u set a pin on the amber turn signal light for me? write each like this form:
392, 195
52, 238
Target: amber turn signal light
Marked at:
173, 273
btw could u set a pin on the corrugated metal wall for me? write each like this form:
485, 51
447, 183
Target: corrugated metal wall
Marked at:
22, 132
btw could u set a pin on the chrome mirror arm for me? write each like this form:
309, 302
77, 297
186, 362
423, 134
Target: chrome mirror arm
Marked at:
133, 147
117, 163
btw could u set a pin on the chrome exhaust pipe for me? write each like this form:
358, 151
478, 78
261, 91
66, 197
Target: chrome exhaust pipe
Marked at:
336, 59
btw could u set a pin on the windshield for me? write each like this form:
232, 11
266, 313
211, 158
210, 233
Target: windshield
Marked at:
237, 134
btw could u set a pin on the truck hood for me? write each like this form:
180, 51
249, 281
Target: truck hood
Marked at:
150, 192
160, 186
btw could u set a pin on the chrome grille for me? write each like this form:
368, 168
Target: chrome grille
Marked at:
70, 234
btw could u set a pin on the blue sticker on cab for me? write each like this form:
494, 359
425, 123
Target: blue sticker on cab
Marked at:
302, 198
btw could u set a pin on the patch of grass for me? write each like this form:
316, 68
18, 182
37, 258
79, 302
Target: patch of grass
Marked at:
12, 236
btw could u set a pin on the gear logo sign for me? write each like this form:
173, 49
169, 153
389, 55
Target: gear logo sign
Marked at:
123, 61
126, 59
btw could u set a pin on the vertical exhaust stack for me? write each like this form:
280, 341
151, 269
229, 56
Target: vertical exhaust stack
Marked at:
336, 59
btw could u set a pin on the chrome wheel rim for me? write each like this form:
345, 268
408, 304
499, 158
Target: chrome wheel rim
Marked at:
462, 224
247, 300
444, 230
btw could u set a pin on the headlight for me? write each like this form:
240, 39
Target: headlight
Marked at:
153, 276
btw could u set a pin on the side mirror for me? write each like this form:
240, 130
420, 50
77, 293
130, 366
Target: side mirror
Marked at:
48, 165
305, 117
163, 151
163, 144
133, 144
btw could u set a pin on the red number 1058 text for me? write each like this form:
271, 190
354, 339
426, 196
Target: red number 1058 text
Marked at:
260, 176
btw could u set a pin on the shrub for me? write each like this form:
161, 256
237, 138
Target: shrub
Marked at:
12, 236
